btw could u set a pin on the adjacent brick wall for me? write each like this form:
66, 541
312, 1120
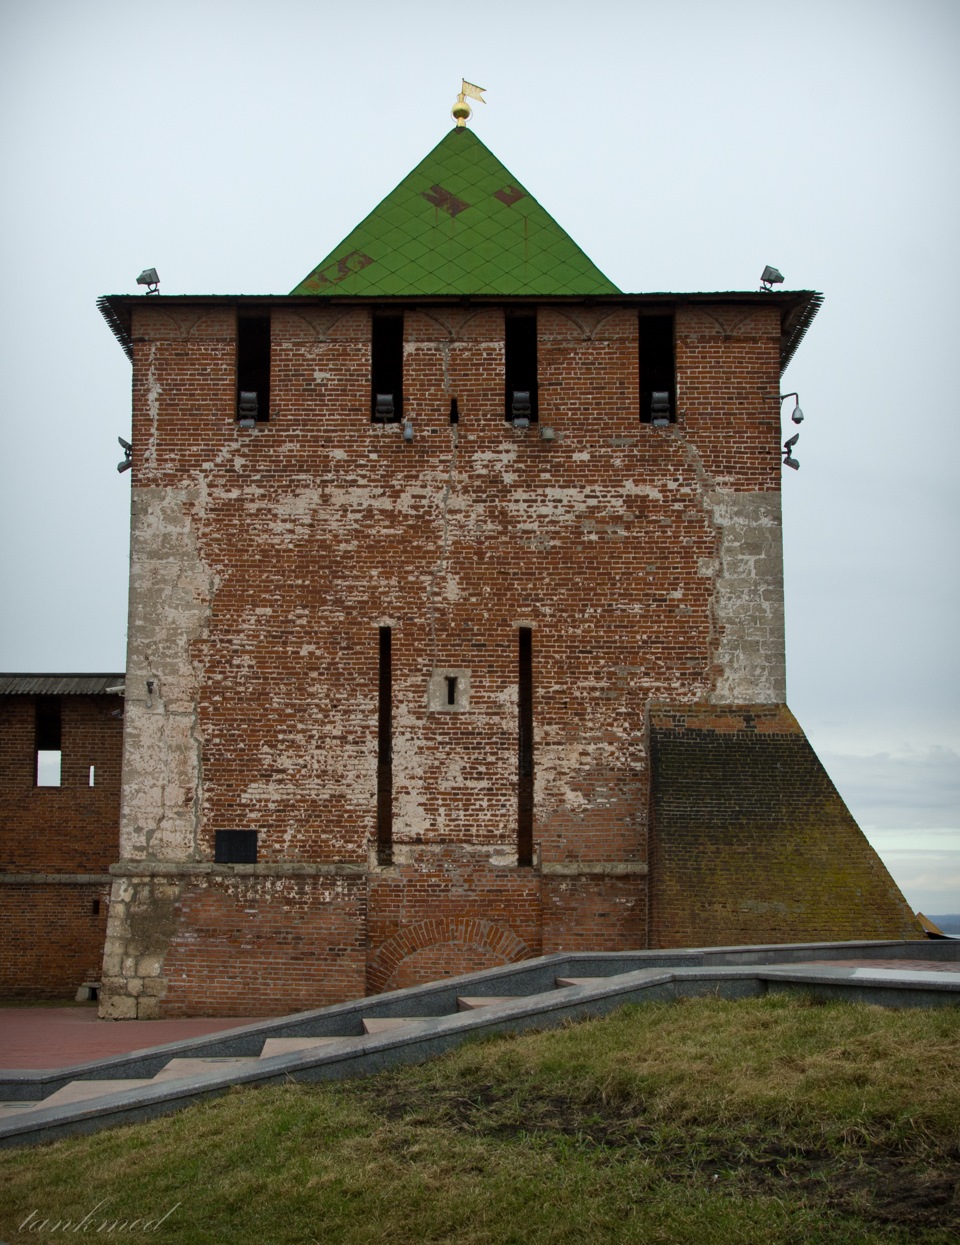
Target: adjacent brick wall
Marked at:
71, 828
52, 938
752, 842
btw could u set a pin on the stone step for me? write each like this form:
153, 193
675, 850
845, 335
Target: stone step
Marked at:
578, 981
79, 1091
468, 1002
177, 1069
381, 1024
15, 1108
286, 1046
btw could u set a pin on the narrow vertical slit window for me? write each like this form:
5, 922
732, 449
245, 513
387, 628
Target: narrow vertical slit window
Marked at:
385, 751
520, 367
658, 372
386, 369
92, 776
47, 753
525, 748
253, 370
451, 689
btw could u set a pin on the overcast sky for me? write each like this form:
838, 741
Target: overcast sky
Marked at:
232, 144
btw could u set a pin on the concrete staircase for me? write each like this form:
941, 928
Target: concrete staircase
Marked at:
369, 1035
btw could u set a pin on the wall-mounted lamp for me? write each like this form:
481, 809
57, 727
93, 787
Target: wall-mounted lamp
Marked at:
660, 408
247, 409
788, 458
127, 455
407, 430
521, 408
150, 279
770, 277
150, 686
384, 408
796, 414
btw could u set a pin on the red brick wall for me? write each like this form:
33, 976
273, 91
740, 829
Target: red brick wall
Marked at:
72, 828
291, 545
52, 939
257, 946
594, 913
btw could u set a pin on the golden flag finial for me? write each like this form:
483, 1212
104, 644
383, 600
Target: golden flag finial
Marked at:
461, 111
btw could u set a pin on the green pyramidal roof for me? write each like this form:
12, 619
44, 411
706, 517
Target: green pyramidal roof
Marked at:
458, 224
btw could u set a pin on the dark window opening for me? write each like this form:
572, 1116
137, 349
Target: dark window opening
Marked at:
658, 375
385, 751
525, 748
386, 370
520, 368
47, 753
95, 907
253, 369
451, 689
235, 847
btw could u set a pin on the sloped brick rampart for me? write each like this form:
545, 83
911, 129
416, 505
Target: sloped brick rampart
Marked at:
751, 841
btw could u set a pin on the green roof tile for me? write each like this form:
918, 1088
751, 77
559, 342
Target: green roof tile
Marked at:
460, 223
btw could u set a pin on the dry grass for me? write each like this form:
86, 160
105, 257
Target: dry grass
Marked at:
763, 1122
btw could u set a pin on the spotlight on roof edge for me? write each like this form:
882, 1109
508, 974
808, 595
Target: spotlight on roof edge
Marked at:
150, 279
770, 277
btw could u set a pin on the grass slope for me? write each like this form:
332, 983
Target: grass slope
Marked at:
772, 1120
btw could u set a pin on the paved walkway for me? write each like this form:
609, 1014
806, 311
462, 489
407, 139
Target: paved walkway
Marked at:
59, 1037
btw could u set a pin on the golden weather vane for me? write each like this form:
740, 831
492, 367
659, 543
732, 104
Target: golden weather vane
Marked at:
461, 111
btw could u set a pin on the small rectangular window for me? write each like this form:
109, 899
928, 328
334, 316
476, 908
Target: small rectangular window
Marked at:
253, 369
658, 378
47, 753
386, 369
93, 776
520, 368
235, 847
385, 750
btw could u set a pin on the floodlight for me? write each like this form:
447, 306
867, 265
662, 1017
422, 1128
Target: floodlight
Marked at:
150, 279
385, 408
660, 408
247, 409
770, 277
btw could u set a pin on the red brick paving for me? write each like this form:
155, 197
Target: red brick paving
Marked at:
59, 1037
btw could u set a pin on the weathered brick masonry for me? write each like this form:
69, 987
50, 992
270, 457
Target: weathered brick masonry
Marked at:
751, 841
56, 843
271, 564
645, 560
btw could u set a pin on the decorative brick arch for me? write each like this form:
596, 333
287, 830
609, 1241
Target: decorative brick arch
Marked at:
477, 940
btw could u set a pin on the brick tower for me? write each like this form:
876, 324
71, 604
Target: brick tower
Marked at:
456, 621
